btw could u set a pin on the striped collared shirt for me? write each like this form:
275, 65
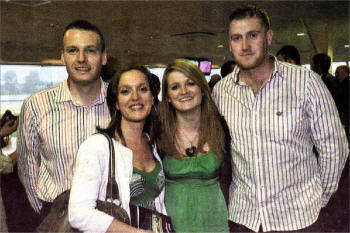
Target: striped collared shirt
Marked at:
278, 183
51, 128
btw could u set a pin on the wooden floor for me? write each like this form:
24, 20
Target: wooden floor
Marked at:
21, 217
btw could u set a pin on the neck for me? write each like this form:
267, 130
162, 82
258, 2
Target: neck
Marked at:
132, 131
189, 121
257, 77
262, 72
85, 94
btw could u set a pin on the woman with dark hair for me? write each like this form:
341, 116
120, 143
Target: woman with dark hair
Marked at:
191, 142
139, 172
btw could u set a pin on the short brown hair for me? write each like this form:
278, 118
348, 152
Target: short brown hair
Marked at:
251, 11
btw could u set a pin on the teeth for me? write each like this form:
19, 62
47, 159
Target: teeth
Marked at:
186, 98
82, 68
137, 106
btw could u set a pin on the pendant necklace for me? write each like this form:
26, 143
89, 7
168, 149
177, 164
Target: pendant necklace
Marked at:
190, 151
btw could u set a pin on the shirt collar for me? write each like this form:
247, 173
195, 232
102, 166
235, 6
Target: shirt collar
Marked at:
276, 64
65, 95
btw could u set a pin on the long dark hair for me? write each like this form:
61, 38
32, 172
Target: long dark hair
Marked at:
150, 126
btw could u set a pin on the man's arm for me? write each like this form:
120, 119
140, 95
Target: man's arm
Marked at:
28, 153
328, 136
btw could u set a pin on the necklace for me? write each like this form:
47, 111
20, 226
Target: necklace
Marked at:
190, 151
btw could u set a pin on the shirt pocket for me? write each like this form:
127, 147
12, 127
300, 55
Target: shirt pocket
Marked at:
285, 124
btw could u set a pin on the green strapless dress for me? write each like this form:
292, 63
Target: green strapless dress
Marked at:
193, 197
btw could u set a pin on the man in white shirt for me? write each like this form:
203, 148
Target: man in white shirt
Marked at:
276, 113
54, 122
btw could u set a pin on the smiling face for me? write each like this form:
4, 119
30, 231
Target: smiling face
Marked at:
183, 93
134, 96
82, 55
249, 42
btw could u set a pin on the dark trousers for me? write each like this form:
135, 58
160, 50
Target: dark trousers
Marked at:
318, 226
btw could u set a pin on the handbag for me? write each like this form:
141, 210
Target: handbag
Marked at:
57, 219
150, 220
112, 192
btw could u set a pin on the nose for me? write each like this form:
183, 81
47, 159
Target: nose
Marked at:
134, 95
81, 56
244, 44
183, 90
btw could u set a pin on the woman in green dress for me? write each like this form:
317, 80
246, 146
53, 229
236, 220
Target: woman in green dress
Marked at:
192, 146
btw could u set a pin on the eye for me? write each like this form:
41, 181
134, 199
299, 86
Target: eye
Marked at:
91, 51
190, 83
174, 87
144, 89
71, 50
253, 35
124, 91
235, 38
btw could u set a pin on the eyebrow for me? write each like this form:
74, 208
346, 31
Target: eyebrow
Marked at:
128, 85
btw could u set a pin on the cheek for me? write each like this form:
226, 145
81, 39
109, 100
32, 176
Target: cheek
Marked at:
170, 96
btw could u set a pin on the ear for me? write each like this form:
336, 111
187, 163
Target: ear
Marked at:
104, 58
62, 57
291, 61
269, 35
117, 106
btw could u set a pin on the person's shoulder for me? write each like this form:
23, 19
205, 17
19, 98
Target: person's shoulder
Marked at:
228, 80
96, 138
293, 71
45, 93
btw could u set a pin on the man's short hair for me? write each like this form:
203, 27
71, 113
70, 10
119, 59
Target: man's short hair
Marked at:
322, 61
345, 68
251, 11
289, 52
87, 26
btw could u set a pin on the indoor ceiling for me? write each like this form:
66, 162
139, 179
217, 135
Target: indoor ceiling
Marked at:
156, 32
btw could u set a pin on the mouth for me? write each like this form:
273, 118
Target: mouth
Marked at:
136, 106
186, 98
82, 68
246, 54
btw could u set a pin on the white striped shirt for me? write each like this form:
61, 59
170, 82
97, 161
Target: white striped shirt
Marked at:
278, 182
51, 128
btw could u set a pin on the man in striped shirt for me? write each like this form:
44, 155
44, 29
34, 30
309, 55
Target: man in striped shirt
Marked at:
276, 113
54, 122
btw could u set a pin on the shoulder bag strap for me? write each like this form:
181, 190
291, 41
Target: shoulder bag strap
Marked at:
112, 191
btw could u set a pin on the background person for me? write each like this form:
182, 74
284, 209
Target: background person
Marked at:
213, 80
192, 142
290, 54
276, 113
6, 166
54, 122
139, 172
227, 68
342, 95
320, 64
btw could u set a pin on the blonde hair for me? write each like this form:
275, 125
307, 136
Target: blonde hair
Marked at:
211, 130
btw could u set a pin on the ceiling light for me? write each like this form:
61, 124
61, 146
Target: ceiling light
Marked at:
300, 34
346, 46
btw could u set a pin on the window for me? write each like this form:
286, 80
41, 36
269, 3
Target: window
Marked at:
20, 81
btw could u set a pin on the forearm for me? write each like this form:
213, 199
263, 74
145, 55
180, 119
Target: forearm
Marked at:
28, 160
330, 172
117, 226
